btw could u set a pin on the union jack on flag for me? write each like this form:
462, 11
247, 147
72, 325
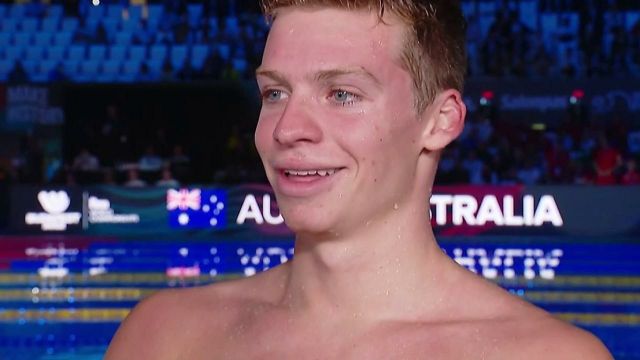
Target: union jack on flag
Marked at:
183, 199
196, 208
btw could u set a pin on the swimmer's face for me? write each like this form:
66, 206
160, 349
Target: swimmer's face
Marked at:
338, 133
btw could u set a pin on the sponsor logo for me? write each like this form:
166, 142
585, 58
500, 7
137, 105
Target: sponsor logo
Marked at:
196, 208
100, 212
55, 217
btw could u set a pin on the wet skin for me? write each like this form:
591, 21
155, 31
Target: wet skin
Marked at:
351, 162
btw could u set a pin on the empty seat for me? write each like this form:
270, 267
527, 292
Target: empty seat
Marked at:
129, 26
3, 10
17, 11
46, 66
158, 51
114, 11
21, 39
71, 68
89, 70
63, 38
5, 39
13, 53
117, 52
110, 71
30, 66
155, 66
529, 13
632, 18
130, 70
76, 52
50, 24
123, 38
137, 53
29, 25
225, 51
35, 53
136, 12
110, 25
97, 52
55, 53
178, 55
199, 54
96, 12
155, 11
69, 24
55, 11
5, 68
8, 25
240, 65
44, 38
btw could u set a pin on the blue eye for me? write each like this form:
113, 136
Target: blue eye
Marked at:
272, 95
344, 98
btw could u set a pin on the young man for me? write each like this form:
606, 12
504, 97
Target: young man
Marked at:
359, 99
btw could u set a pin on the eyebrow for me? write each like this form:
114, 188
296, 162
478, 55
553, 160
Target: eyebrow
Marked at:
323, 75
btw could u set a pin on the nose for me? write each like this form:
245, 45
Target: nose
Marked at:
297, 125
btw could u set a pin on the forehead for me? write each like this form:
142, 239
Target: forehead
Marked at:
305, 39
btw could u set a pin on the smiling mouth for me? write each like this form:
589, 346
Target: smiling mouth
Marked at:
310, 173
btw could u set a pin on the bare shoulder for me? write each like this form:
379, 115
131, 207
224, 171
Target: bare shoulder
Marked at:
174, 321
555, 339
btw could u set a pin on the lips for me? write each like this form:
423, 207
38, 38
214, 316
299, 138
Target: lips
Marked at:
306, 181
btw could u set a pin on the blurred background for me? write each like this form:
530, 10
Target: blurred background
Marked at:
127, 162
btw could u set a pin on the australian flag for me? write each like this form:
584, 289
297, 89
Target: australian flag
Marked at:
196, 208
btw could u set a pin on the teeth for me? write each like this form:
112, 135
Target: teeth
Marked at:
324, 172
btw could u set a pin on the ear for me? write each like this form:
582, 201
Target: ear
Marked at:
444, 120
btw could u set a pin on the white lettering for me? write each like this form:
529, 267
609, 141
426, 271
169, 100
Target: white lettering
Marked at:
250, 210
490, 211
547, 211
266, 212
463, 208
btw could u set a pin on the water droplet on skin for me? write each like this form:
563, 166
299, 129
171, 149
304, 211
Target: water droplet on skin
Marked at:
368, 223
387, 292
396, 207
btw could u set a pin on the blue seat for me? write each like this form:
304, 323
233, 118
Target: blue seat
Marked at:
46, 66
8, 25
91, 25
5, 68
123, 38
89, 70
3, 11
224, 50
18, 11
110, 71
129, 26
240, 65
232, 26
110, 25
30, 66
529, 13
199, 54
96, 12
44, 39
63, 38
178, 55
155, 66
35, 53
69, 24
117, 52
55, 53
50, 24
29, 25
21, 39
632, 18
135, 12
76, 52
71, 68
194, 13
55, 11
97, 52
158, 51
130, 70
5, 39
114, 11
137, 53
214, 27
155, 11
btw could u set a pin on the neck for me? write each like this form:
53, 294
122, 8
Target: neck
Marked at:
390, 269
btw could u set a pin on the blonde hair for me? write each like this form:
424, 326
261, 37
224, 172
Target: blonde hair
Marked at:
434, 50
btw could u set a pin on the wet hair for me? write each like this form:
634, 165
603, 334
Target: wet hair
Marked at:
434, 51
